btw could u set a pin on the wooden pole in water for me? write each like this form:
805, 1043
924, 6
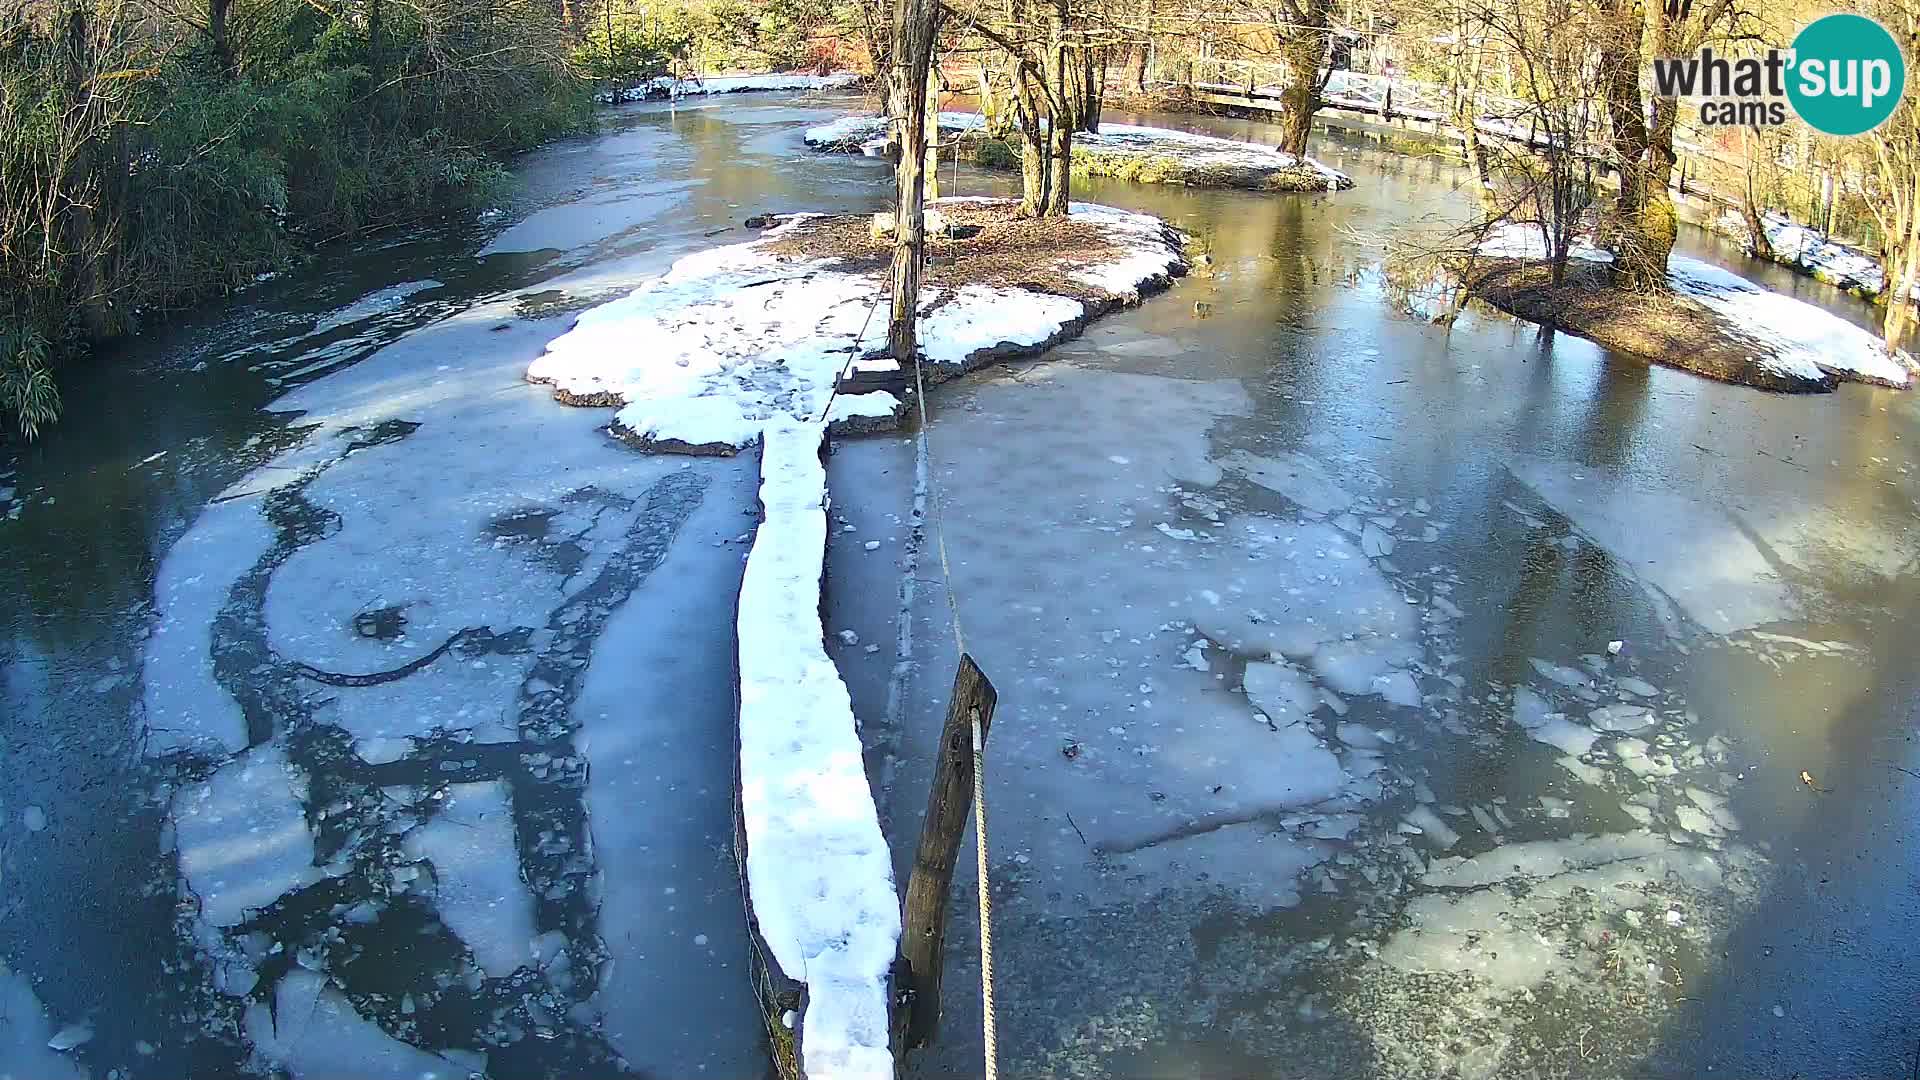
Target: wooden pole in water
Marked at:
923, 931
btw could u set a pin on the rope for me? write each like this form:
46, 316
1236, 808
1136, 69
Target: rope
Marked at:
989, 1028
989, 1037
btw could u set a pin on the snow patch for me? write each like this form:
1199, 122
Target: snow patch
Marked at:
735, 337
818, 869
1798, 339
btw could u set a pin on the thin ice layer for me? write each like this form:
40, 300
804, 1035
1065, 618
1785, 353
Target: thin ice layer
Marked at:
818, 870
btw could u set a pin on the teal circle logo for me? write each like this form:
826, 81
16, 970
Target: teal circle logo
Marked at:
1848, 75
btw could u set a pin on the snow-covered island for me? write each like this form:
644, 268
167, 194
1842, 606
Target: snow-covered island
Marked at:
1149, 155
1710, 321
700, 359
745, 345
670, 86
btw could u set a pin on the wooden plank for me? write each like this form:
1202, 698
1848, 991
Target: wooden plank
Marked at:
924, 923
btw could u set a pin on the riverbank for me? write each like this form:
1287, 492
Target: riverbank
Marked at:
1815, 254
665, 87
1147, 155
1709, 321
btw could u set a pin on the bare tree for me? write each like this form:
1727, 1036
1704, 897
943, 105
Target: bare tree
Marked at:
916, 24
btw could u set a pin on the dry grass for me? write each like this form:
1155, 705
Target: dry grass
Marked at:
1659, 328
1008, 252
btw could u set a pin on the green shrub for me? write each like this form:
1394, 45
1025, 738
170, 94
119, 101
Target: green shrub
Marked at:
141, 173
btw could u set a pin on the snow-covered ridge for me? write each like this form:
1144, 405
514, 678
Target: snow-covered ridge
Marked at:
667, 86
1788, 338
730, 339
818, 871
868, 135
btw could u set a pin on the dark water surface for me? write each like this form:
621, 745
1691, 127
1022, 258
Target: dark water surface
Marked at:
248, 821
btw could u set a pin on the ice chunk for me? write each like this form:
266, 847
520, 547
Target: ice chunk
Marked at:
1565, 676
1279, 690
481, 895
1298, 477
313, 1032
1621, 717
1693, 551
27, 1039
243, 837
1423, 818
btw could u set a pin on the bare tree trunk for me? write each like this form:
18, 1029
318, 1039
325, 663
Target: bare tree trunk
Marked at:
222, 41
1142, 54
1304, 52
1752, 143
915, 23
932, 186
1035, 152
1466, 119
1060, 105
1898, 289
1060, 184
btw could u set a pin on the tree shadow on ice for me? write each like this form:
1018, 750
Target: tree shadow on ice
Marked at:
1821, 977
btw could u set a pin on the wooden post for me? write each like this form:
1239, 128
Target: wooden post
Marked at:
923, 931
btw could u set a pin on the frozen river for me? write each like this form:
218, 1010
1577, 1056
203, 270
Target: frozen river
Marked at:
1375, 699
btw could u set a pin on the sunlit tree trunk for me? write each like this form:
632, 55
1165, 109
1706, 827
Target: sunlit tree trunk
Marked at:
915, 23
1305, 33
1753, 146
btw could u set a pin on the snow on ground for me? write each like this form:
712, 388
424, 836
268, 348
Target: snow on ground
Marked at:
1525, 240
1814, 252
868, 134
737, 337
670, 86
480, 895
1800, 339
1791, 338
818, 869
